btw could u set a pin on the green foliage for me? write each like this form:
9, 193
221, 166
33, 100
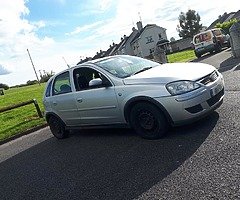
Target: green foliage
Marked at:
20, 119
4, 86
32, 82
189, 24
45, 76
226, 25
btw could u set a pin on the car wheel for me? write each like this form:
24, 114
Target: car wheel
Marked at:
148, 121
198, 55
57, 128
218, 48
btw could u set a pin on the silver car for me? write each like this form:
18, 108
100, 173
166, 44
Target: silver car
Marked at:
131, 91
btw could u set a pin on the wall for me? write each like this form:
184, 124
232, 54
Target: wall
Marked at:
181, 44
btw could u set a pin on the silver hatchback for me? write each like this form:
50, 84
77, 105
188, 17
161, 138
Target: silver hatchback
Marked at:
131, 91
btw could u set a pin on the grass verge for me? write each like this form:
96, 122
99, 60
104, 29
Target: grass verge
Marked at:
21, 119
183, 56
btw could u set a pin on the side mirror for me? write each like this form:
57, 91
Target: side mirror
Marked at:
95, 82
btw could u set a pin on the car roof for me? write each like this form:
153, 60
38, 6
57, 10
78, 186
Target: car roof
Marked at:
100, 59
89, 62
210, 30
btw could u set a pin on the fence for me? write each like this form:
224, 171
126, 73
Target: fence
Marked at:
34, 101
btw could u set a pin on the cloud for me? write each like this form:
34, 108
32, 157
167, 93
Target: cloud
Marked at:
3, 71
85, 28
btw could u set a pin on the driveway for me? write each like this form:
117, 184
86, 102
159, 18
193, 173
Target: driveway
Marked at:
198, 161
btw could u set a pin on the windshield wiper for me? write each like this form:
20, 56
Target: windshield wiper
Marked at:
142, 70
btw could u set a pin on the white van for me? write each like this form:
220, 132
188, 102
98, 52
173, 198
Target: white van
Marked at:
210, 41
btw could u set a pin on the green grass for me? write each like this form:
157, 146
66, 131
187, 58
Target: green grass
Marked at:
183, 56
20, 119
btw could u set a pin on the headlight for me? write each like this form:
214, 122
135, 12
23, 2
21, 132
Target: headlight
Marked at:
181, 87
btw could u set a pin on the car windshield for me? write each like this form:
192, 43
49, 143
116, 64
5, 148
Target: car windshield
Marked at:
126, 66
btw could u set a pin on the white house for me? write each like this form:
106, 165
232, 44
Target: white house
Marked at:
144, 43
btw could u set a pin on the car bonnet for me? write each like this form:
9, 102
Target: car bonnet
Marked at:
171, 72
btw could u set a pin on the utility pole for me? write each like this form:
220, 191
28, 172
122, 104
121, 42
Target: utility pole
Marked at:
33, 67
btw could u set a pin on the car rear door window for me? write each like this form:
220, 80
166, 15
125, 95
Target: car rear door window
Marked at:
62, 84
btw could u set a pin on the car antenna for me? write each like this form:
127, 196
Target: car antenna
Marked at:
66, 62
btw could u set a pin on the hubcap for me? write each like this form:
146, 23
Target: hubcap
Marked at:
146, 120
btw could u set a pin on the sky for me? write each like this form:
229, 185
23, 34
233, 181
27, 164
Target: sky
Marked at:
75, 29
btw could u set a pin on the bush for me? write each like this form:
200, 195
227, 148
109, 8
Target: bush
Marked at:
226, 25
32, 82
4, 86
46, 76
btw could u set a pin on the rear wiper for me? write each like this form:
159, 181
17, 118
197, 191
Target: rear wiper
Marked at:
142, 70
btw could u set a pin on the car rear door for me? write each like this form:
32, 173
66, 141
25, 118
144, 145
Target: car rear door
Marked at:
62, 100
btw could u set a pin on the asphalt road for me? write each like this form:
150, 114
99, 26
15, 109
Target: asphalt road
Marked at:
198, 161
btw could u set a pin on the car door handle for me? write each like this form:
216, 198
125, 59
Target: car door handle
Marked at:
54, 103
79, 100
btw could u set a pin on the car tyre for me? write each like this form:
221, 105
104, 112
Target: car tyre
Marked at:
148, 121
198, 55
57, 128
218, 48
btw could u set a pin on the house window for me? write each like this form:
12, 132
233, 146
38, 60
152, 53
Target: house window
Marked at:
151, 50
160, 36
149, 39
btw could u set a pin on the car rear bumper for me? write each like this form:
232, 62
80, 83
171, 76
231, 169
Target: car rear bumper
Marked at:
192, 106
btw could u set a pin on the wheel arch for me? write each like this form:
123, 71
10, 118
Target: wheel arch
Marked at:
51, 114
131, 102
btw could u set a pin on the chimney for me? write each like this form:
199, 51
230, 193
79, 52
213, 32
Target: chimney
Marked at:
134, 29
139, 25
125, 36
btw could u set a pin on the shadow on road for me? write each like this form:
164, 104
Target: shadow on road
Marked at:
229, 64
99, 164
202, 58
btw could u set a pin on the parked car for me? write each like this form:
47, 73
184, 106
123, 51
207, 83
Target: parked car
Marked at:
210, 41
131, 91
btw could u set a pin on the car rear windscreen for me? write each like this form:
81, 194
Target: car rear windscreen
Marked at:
202, 37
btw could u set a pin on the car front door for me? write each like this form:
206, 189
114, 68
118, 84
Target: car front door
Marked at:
96, 105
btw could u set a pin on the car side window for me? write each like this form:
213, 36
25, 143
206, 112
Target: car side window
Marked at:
62, 84
48, 90
83, 75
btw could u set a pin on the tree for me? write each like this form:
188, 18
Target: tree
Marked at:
4, 86
189, 24
45, 76
226, 25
